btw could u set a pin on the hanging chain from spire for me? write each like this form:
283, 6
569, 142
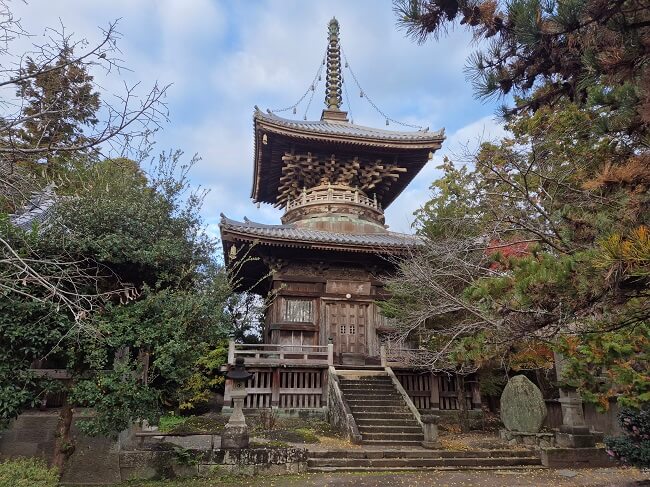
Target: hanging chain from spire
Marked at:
333, 99
311, 88
363, 94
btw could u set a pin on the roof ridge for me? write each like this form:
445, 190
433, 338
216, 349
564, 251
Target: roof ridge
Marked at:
252, 225
270, 116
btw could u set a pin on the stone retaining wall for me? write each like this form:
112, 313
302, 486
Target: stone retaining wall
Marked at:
181, 463
142, 454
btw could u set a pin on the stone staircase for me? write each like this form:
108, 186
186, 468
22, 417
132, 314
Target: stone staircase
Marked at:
380, 411
392, 460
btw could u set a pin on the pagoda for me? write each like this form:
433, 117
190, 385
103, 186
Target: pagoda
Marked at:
320, 269
334, 179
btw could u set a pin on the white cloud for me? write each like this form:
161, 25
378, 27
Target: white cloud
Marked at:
225, 57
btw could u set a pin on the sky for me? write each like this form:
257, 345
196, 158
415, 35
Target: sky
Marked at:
224, 57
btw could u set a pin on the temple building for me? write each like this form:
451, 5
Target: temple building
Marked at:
320, 269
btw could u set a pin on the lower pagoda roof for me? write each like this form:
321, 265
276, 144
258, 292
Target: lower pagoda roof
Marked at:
291, 235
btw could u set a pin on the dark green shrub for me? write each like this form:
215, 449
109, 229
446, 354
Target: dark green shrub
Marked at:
634, 447
27, 472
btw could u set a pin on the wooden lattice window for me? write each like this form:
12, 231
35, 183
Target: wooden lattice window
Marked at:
297, 310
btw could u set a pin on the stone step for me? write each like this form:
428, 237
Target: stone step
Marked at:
385, 409
402, 469
367, 390
374, 402
390, 421
365, 382
378, 380
392, 443
422, 462
383, 415
365, 429
372, 436
420, 453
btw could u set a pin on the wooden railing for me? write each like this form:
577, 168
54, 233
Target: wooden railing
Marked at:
279, 387
270, 354
392, 356
427, 390
333, 194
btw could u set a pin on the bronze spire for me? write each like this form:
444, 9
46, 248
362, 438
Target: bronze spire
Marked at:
334, 80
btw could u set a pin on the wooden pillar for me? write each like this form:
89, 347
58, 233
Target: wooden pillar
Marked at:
330, 354
382, 355
476, 395
325, 385
275, 387
435, 391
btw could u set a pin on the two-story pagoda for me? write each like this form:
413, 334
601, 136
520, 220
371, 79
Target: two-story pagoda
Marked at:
321, 268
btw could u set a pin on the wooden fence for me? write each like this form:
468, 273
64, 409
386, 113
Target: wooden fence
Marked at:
430, 391
284, 388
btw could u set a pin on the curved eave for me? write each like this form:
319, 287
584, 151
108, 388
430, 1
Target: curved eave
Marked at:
394, 140
310, 244
230, 235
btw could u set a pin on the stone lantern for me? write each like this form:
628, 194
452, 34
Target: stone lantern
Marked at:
235, 434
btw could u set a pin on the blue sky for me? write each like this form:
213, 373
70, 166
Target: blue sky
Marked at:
223, 58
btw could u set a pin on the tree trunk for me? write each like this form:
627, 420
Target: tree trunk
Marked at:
463, 415
64, 444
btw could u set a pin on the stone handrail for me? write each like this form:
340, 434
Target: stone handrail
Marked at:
332, 194
405, 396
339, 413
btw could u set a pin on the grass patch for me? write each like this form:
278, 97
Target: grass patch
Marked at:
167, 424
285, 430
192, 424
268, 444
27, 472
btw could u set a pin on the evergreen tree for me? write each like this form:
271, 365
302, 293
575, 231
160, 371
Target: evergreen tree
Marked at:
590, 52
59, 102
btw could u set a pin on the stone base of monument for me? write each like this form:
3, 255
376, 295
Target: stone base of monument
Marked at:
534, 440
576, 458
234, 436
575, 437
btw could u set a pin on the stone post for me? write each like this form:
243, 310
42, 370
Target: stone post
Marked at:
574, 432
430, 430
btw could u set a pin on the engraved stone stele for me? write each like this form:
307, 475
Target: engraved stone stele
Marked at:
522, 406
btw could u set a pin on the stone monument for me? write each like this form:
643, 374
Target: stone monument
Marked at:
523, 411
235, 433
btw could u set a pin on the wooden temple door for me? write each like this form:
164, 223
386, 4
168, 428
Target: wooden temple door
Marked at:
347, 324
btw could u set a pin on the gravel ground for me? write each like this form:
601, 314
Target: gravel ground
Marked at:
604, 477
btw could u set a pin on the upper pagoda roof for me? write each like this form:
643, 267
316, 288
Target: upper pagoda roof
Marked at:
276, 136
346, 132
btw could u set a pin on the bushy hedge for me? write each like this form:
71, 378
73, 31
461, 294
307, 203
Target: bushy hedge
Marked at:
634, 447
27, 472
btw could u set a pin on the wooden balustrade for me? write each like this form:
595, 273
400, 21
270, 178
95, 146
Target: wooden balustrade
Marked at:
427, 390
284, 388
271, 354
332, 194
